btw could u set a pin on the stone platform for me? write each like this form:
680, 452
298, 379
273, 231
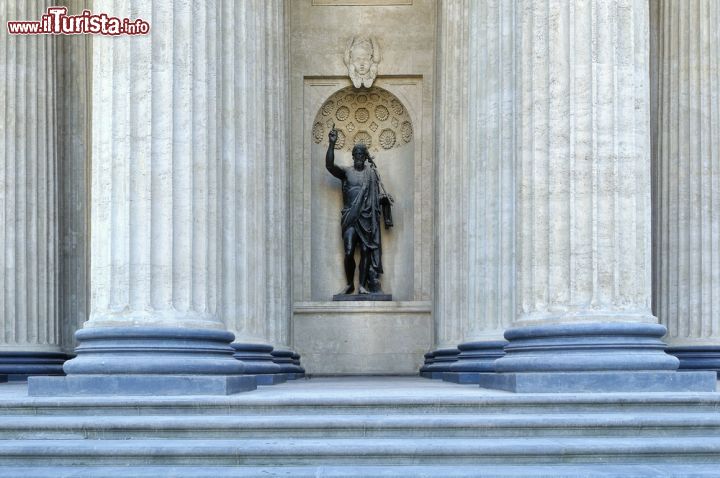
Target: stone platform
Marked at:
354, 338
362, 426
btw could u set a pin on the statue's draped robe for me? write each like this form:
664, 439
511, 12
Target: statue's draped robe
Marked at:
361, 197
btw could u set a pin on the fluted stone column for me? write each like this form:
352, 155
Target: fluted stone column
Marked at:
74, 64
255, 171
687, 179
475, 289
583, 206
29, 319
154, 324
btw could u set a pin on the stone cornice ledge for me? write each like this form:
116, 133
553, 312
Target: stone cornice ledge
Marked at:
397, 307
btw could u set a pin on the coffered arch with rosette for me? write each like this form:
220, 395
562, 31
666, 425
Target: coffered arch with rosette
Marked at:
374, 116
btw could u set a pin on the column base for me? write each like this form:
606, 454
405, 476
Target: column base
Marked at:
21, 365
429, 359
148, 361
300, 369
602, 382
135, 385
287, 359
475, 358
592, 357
697, 357
258, 361
441, 361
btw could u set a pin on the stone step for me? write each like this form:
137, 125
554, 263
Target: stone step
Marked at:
335, 427
698, 470
685, 424
249, 404
358, 451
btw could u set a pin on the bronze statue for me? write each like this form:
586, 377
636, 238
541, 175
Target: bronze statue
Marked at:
364, 200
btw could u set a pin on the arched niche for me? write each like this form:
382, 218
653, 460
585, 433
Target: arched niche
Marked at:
379, 119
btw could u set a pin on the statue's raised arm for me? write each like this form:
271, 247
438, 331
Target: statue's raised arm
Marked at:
334, 169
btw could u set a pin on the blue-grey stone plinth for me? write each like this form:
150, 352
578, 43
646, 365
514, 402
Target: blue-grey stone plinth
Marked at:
475, 358
599, 382
271, 379
147, 385
148, 361
591, 357
259, 362
697, 357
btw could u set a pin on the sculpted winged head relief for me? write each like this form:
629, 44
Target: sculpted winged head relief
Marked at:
362, 56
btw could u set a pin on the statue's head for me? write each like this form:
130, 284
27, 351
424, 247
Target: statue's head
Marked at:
360, 154
362, 56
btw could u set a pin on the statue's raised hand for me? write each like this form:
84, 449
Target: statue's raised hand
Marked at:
332, 136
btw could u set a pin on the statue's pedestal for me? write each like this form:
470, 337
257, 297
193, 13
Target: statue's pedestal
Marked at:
361, 297
362, 338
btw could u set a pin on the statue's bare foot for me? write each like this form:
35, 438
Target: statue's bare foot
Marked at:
348, 289
363, 290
